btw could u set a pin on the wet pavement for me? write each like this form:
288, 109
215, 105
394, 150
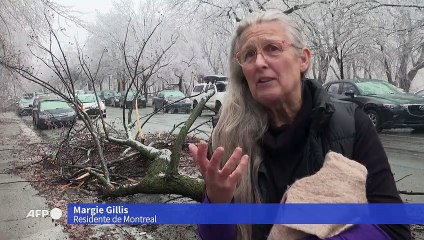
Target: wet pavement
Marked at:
404, 147
17, 197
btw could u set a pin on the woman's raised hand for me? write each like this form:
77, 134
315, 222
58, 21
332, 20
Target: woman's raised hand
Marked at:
220, 183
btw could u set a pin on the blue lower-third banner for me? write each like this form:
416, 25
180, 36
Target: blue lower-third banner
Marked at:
245, 213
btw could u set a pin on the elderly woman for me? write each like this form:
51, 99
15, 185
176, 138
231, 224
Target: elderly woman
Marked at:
285, 124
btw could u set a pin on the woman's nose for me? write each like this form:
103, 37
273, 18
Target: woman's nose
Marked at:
260, 60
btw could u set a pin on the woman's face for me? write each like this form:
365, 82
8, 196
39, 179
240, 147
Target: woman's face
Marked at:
272, 66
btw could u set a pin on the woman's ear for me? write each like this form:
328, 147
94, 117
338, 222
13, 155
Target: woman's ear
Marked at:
305, 59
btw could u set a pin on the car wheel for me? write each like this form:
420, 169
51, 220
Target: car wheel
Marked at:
217, 106
165, 110
375, 118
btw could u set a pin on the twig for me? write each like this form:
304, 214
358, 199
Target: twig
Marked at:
127, 234
172, 199
23, 181
403, 177
411, 193
123, 159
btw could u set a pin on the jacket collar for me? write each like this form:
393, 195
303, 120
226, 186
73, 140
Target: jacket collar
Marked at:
322, 107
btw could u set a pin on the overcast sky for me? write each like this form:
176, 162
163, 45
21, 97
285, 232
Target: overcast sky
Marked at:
86, 11
87, 7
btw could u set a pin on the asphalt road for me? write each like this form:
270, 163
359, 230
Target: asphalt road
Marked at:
163, 122
404, 147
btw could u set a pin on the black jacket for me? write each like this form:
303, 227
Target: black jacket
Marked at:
297, 150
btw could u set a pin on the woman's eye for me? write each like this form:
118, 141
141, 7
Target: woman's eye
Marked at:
272, 48
249, 54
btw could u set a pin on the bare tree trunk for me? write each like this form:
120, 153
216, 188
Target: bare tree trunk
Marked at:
145, 91
324, 64
401, 75
386, 65
419, 64
314, 72
348, 73
354, 69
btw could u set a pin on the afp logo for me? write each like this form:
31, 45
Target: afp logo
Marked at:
55, 213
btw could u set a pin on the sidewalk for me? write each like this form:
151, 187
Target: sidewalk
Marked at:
17, 199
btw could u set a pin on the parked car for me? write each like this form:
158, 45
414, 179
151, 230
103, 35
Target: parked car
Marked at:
88, 103
40, 98
165, 97
218, 84
116, 99
53, 113
386, 106
78, 92
128, 102
420, 93
108, 96
25, 105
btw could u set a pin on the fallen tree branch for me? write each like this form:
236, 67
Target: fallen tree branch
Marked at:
181, 185
150, 152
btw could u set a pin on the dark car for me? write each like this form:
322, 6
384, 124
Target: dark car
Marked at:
38, 99
385, 104
53, 113
129, 101
165, 97
108, 96
115, 100
25, 105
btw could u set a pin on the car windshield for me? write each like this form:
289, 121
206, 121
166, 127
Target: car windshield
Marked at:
27, 100
376, 88
221, 87
174, 94
87, 98
50, 105
108, 93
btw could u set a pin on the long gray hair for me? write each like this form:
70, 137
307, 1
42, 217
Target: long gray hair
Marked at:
242, 120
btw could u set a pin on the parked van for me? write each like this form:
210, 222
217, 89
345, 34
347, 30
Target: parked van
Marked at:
215, 83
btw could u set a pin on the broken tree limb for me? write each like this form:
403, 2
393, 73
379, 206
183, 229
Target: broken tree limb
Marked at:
181, 185
150, 152
176, 150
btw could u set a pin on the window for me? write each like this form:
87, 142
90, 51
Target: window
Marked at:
349, 87
334, 88
51, 105
210, 87
376, 87
220, 87
198, 88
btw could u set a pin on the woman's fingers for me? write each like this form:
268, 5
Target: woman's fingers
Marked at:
231, 164
242, 166
215, 160
193, 151
196, 153
233, 168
